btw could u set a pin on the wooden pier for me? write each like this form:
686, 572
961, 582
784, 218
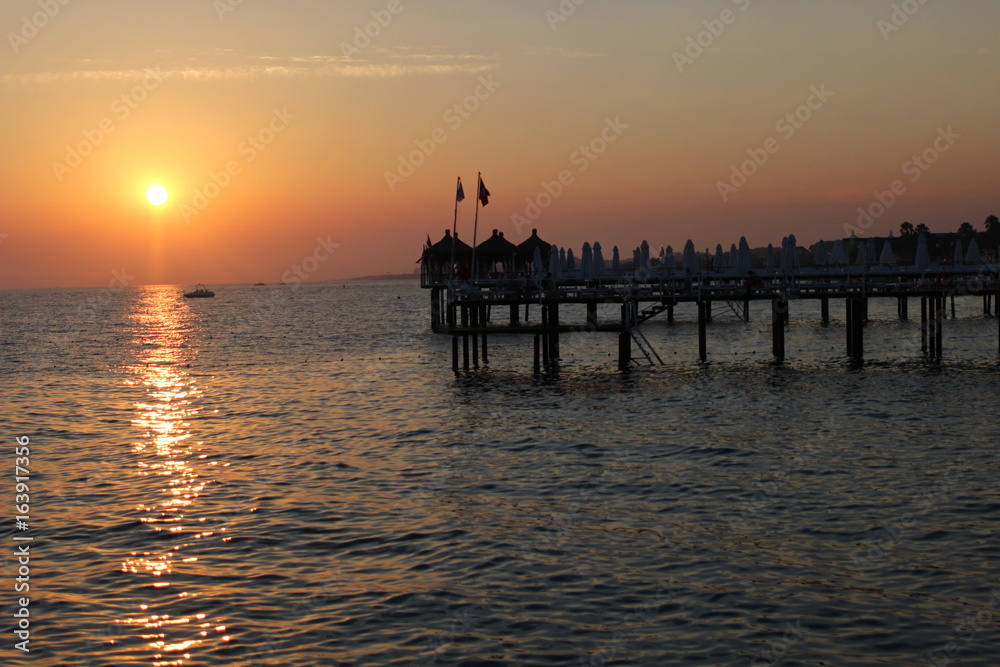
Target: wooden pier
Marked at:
472, 312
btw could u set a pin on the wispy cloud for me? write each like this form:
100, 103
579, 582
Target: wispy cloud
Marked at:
262, 67
558, 52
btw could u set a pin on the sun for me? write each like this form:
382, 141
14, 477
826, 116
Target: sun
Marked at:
156, 195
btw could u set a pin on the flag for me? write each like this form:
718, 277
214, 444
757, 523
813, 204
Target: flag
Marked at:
460, 195
484, 194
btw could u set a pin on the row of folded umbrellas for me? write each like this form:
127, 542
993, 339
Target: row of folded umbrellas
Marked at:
541, 258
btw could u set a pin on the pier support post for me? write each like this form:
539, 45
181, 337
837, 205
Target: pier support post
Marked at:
625, 338
454, 353
474, 321
824, 311
515, 315
778, 328
546, 337
538, 361
591, 315
849, 326
465, 351
923, 324
932, 315
670, 313
986, 305
952, 306
704, 310
435, 307
902, 308
939, 324
855, 327
554, 336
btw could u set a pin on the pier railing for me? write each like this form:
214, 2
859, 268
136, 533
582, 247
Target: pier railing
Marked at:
464, 308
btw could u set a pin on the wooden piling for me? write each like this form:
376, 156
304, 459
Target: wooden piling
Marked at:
939, 325
592, 314
554, 336
849, 326
824, 311
708, 311
704, 309
778, 328
465, 351
860, 318
923, 324
515, 314
903, 308
435, 307
538, 361
855, 327
625, 339
454, 353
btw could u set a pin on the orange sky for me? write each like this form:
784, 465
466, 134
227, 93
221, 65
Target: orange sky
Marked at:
278, 128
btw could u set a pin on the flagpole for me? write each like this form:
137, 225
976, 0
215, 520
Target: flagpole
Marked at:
454, 232
475, 225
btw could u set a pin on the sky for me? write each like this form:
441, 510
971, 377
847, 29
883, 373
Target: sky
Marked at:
322, 140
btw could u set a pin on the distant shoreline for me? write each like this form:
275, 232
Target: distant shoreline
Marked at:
386, 276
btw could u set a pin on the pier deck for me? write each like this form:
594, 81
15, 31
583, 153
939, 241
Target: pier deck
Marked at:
471, 311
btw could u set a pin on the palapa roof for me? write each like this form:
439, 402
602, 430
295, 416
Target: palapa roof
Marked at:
495, 249
442, 250
526, 250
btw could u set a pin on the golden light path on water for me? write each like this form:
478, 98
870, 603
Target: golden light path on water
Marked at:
166, 450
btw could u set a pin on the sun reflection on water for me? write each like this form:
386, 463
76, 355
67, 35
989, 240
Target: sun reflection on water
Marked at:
165, 449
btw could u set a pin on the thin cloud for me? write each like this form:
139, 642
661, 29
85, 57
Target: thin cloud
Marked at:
265, 67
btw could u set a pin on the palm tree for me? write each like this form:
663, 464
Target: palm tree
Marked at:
966, 230
922, 229
906, 229
992, 224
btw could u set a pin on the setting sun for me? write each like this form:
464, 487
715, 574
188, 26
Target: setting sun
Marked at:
156, 195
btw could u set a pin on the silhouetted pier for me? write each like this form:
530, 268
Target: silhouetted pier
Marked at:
472, 311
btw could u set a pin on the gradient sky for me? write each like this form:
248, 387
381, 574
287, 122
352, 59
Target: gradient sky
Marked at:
172, 91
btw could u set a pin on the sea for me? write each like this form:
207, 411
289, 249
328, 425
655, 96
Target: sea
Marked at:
294, 475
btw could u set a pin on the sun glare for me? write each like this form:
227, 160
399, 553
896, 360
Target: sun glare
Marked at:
156, 195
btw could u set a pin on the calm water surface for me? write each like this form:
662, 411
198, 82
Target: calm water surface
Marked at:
294, 477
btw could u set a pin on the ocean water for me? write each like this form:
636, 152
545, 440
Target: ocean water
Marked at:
288, 476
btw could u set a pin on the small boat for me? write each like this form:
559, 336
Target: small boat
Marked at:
200, 292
